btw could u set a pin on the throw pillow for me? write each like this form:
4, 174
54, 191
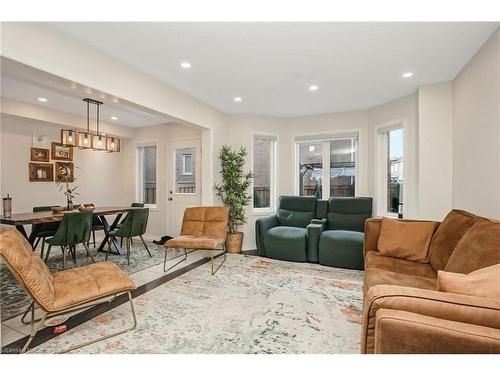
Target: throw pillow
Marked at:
484, 282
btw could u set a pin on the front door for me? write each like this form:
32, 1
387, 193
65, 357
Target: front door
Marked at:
184, 181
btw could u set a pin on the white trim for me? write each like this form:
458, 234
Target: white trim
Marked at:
380, 165
184, 173
139, 193
171, 191
273, 178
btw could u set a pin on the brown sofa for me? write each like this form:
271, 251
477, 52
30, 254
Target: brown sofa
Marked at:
403, 310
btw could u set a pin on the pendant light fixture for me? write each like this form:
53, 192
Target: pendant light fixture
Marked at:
88, 139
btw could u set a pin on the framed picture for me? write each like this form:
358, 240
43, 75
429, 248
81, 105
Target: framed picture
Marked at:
39, 140
40, 154
65, 172
41, 172
60, 152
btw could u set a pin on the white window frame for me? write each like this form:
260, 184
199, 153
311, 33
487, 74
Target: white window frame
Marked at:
381, 166
184, 172
325, 140
139, 172
257, 211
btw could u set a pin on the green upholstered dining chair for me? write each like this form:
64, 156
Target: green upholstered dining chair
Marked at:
134, 225
46, 229
135, 205
75, 229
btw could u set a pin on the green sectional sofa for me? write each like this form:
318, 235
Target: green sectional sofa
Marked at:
305, 229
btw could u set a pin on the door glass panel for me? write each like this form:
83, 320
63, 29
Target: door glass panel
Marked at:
185, 171
311, 169
149, 175
262, 159
395, 171
342, 167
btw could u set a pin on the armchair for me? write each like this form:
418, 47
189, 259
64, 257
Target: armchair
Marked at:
284, 235
340, 242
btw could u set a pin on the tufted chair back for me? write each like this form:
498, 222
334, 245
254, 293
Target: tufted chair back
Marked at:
27, 267
205, 221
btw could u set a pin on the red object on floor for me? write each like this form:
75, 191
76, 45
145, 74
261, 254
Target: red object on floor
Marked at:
60, 329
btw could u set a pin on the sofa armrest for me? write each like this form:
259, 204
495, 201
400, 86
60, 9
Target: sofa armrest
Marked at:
262, 225
402, 332
314, 231
453, 307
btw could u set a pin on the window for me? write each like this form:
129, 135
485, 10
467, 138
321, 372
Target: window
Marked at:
185, 170
146, 174
187, 167
337, 180
395, 170
264, 154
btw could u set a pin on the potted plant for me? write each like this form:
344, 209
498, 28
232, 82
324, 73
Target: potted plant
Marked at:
234, 193
65, 176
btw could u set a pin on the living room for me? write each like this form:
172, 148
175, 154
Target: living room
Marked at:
250, 187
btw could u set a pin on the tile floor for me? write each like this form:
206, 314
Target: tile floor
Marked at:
13, 329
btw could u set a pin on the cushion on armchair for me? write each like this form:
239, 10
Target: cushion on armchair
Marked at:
484, 282
296, 211
341, 248
349, 213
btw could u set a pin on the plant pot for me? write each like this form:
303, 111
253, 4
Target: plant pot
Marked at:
234, 242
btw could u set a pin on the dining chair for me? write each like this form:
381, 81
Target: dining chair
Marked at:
134, 225
136, 205
75, 229
65, 291
46, 229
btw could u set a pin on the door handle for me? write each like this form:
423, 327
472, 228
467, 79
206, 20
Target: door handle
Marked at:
170, 198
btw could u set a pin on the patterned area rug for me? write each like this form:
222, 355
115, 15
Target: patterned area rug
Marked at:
252, 305
14, 300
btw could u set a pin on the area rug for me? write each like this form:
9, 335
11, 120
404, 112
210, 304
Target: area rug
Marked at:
252, 305
14, 300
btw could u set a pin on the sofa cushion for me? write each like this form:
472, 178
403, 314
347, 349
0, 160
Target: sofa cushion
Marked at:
286, 243
449, 232
348, 213
381, 277
478, 248
296, 211
406, 240
375, 260
484, 282
341, 248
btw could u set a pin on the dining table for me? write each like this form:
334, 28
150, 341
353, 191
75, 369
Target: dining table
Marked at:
36, 219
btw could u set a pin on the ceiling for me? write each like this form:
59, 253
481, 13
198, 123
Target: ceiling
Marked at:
271, 65
26, 84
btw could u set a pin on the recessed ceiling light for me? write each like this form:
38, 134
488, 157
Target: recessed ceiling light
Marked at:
407, 74
185, 65
114, 118
313, 88
42, 100
238, 99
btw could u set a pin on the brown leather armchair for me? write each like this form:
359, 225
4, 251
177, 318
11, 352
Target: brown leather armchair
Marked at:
64, 291
203, 228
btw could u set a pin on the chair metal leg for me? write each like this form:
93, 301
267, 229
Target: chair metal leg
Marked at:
88, 253
48, 253
165, 269
34, 327
128, 250
64, 250
43, 248
72, 250
146, 246
36, 243
220, 265
93, 237
131, 241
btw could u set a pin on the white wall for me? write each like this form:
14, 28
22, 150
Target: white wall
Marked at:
476, 132
435, 109
99, 174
